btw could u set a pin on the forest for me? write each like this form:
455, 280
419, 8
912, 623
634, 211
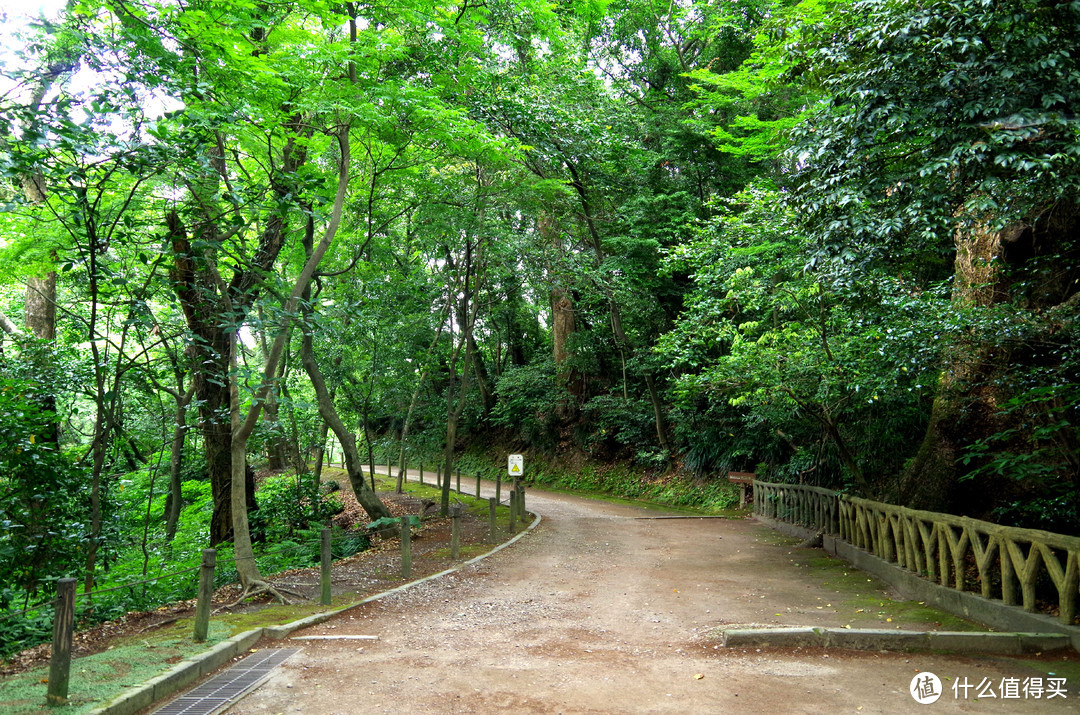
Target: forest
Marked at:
832, 242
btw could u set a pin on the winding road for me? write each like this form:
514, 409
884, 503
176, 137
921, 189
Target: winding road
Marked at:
605, 608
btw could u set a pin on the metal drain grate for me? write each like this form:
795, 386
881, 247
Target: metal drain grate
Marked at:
227, 687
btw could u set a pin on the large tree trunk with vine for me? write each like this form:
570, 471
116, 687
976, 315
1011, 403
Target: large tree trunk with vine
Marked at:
1032, 264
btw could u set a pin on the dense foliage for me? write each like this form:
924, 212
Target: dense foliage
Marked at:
831, 241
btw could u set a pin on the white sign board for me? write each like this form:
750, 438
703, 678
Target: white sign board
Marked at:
515, 466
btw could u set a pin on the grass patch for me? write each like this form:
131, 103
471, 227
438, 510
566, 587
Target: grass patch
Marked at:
100, 677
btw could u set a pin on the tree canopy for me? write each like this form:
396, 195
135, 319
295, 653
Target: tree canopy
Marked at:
833, 242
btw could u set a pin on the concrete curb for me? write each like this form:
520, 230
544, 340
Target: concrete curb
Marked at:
880, 639
188, 671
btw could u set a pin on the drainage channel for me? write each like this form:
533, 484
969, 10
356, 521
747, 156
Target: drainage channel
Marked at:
227, 687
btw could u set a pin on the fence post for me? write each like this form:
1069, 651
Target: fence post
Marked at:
458, 480
498, 486
206, 591
406, 547
63, 632
493, 503
324, 572
421, 473
521, 504
513, 510
455, 531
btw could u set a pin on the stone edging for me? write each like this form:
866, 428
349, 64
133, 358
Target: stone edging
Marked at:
882, 639
191, 669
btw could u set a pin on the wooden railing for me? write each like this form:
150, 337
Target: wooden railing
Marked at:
966, 554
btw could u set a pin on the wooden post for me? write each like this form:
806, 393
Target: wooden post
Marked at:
421, 473
458, 480
498, 486
324, 573
513, 510
63, 632
478, 484
438, 474
455, 531
493, 504
521, 505
406, 547
206, 591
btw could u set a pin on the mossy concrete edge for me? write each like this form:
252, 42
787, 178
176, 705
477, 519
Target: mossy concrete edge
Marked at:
908, 641
136, 698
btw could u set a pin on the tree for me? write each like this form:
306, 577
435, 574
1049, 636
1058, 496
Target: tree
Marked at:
947, 136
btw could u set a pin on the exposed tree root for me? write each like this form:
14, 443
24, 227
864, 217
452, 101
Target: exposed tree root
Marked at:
257, 588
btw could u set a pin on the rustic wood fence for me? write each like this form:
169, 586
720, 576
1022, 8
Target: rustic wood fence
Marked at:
1018, 566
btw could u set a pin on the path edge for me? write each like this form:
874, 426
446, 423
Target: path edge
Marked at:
183, 674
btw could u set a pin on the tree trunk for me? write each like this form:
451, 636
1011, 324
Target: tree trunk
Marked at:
174, 502
353, 464
208, 322
562, 326
483, 382
320, 453
246, 567
415, 398
40, 312
979, 377
276, 442
466, 318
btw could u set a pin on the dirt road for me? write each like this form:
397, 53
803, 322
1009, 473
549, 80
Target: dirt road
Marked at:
602, 611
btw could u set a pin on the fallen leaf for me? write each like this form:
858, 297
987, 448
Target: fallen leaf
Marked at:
699, 676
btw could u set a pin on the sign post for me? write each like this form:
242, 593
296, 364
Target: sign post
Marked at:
515, 465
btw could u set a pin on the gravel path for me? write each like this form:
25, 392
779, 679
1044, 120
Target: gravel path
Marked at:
602, 611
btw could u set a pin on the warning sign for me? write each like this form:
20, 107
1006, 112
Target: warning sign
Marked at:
516, 465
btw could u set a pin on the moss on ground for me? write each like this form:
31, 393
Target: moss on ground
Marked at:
862, 599
467, 552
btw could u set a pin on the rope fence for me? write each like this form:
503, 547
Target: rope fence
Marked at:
64, 613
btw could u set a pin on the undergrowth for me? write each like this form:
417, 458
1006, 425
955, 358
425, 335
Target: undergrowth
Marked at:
149, 571
708, 494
